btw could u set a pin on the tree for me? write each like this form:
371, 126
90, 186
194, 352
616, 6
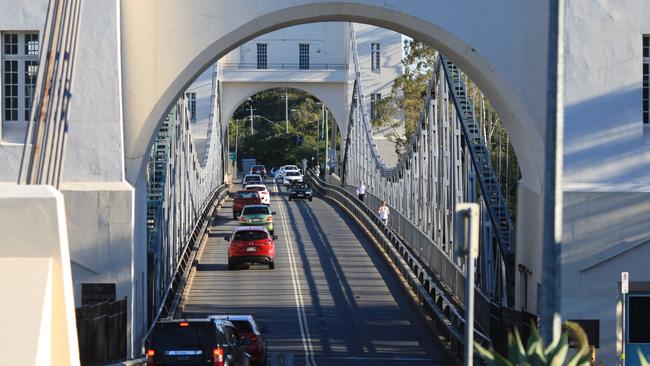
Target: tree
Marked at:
270, 144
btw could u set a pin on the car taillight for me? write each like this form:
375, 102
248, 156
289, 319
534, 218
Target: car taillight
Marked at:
253, 338
150, 354
269, 218
242, 219
217, 356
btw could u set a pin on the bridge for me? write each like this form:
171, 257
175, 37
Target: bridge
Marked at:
115, 196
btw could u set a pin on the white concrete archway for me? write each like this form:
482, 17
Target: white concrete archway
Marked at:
334, 96
165, 45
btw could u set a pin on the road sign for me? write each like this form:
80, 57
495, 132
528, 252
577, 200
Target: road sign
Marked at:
233, 156
625, 282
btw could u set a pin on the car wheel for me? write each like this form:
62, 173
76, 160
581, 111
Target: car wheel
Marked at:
230, 265
272, 265
271, 232
234, 216
289, 198
309, 199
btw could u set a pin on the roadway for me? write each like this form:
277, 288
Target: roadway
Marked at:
331, 299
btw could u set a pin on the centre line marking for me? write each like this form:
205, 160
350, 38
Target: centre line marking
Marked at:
297, 290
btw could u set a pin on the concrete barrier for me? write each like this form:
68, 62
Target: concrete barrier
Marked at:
37, 311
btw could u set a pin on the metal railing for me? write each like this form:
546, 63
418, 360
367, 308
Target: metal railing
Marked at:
284, 66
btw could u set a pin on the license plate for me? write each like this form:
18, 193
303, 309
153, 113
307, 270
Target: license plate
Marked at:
300, 195
257, 220
251, 249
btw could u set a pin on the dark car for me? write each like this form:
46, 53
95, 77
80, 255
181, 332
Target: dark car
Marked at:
259, 169
250, 334
251, 245
196, 342
244, 198
300, 190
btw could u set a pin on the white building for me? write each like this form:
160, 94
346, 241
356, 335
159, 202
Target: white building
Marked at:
321, 52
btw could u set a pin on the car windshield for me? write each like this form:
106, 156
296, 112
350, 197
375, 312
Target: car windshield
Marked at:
300, 185
250, 235
258, 167
290, 167
247, 195
173, 336
254, 188
256, 210
292, 174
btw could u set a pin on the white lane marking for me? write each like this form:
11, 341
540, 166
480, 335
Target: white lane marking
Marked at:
297, 291
413, 359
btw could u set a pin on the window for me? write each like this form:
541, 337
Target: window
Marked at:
374, 98
262, 56
19, 72
303, 57
646, 78
191, 105
375, 65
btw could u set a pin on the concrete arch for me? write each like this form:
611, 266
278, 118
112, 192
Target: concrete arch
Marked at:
498, 47
334, 98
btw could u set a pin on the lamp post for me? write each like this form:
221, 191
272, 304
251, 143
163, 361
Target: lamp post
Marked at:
286, 111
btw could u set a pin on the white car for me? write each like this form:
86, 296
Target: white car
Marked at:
261, 190
279, 174
291, 176
252, 178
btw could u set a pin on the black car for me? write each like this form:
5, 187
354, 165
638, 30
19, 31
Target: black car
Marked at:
300, 190
259, 169
196, 342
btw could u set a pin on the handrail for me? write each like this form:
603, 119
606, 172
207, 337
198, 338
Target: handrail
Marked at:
283, 66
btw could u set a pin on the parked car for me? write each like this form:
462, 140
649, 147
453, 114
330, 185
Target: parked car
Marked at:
261, 190
251, 245
196, 342
252, 178
257, 215
250, 335
300, 190
259, 169
244, 198
291, 176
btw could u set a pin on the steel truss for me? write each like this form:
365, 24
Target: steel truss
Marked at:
447, 162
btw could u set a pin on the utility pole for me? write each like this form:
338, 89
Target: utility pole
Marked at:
551, 320
251, 109
286, 110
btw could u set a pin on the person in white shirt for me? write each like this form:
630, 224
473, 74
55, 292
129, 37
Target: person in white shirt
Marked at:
361, 190
383, 212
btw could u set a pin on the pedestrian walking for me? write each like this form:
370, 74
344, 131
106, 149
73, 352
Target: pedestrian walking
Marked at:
361, 190
383, 212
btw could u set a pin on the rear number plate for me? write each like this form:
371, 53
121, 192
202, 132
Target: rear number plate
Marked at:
257, 220
251, 249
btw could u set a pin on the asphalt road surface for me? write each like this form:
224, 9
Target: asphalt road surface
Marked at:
331, 299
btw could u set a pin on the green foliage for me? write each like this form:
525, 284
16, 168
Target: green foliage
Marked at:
270, 144
534, 353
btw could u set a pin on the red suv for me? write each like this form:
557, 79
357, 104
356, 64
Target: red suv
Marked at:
251, 244
244, 198
252, 337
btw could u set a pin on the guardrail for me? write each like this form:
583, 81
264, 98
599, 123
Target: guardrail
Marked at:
448, 318
283, 66
170, 301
